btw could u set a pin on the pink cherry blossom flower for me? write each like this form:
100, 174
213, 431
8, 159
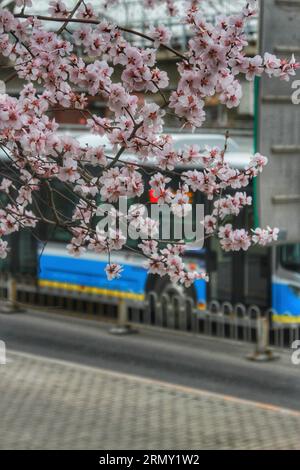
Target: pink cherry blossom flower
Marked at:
58, 8
113, 271
265, 236
160, 34
3, 248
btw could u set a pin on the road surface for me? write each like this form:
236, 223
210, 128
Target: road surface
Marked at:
203, 363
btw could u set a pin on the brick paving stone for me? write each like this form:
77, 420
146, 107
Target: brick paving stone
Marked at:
48, 404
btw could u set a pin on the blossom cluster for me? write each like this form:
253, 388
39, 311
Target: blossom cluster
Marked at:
215, 60
64, 69
241, 239
169, 259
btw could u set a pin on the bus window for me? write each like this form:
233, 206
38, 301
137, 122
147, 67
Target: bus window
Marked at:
290, 257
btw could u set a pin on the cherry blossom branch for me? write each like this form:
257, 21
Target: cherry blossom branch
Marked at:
46, 170
96, 22
72, 13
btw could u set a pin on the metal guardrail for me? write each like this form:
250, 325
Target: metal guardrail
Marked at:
220, 319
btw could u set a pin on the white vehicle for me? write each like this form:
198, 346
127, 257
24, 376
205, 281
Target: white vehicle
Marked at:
233, 156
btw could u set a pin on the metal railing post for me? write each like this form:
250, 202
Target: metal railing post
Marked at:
123, 327
10, 305
262, 350
12, 291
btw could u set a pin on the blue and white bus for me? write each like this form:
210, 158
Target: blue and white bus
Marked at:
268, 277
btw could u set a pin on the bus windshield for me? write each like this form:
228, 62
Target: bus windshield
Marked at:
290, 257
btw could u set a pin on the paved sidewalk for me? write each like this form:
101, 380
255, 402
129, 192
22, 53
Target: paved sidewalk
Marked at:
50, 404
